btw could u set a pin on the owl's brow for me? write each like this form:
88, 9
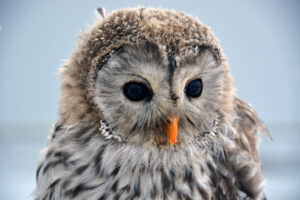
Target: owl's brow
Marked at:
141, 77
198, 50
102, 60
137, 75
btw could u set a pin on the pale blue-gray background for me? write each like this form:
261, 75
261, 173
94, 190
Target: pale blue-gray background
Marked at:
260, 39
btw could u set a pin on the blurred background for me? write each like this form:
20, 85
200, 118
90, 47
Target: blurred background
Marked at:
260, 39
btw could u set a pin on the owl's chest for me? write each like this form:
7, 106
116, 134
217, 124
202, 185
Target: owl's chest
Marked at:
114, 172
162, 183
152, 175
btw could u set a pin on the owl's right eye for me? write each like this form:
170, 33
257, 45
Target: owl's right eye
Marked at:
136, 91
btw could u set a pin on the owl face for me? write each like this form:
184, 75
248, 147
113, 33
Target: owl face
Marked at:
152, 97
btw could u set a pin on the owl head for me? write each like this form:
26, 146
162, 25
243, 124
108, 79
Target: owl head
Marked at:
152, 77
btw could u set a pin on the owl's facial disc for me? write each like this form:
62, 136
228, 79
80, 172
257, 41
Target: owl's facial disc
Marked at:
134, 93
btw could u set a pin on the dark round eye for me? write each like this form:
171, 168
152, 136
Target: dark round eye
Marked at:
136, 91
194, 88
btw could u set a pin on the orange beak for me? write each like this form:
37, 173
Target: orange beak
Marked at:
171, 129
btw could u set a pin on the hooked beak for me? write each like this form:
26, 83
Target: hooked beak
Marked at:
172, 129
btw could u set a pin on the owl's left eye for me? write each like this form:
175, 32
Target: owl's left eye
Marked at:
194, 88
136, 91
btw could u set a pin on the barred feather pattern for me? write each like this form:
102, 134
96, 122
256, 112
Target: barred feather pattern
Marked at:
79, 163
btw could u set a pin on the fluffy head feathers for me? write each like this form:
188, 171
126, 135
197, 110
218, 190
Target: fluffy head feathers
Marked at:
180, 35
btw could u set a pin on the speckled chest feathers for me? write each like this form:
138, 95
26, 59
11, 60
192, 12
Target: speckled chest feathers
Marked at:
148, 111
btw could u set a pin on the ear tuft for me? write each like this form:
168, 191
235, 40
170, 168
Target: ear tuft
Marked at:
101, 12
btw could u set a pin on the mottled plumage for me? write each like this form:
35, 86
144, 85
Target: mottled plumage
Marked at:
106, 146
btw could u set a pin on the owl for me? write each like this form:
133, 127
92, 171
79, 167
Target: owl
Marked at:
148, 111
